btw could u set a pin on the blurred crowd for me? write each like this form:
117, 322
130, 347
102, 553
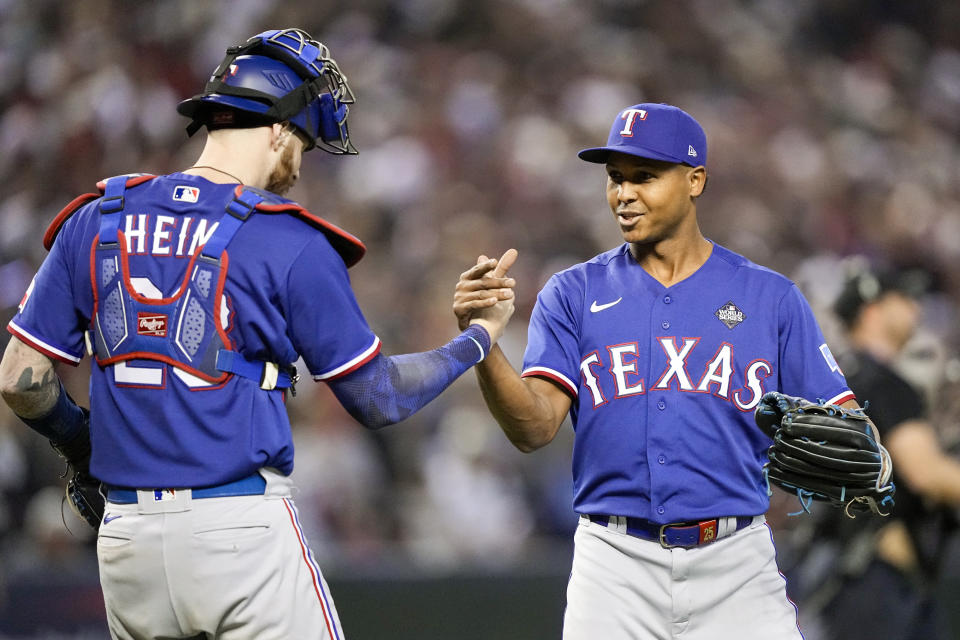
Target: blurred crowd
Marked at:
833, 130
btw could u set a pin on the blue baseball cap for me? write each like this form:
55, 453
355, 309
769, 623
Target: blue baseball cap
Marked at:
654, 131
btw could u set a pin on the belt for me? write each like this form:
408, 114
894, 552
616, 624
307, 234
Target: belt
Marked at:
252, 485
678, 534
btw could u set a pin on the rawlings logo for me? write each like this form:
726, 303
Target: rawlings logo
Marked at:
151, 324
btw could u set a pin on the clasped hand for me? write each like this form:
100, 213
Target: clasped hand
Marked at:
484, 294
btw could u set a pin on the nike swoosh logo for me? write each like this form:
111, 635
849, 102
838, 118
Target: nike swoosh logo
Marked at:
600, 307
109, 518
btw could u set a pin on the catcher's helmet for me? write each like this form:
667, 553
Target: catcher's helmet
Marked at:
275, 76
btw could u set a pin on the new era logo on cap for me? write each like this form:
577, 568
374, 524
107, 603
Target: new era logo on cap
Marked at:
654, 131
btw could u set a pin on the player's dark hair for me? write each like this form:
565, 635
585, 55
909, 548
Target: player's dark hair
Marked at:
864, 285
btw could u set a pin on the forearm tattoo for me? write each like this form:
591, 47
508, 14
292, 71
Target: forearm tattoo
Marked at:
34, 394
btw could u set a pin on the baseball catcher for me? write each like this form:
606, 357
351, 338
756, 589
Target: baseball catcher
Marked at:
825, 452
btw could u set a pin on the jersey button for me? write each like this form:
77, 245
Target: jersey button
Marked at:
661, 459
660, 510
667, 299
661, 405
665, 324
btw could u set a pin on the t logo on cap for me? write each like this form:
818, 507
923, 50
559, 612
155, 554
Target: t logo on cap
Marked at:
668, 134
631, 116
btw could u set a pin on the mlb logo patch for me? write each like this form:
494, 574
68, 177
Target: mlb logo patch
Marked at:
183, 193
152, 324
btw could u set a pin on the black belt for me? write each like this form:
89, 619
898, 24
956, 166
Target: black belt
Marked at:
252, 485
679, 534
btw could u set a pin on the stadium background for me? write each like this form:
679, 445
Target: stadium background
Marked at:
833, 130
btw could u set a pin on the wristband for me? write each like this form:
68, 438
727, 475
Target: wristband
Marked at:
63, 423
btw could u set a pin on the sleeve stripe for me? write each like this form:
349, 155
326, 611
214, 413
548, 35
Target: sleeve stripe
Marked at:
43, 347
353, 364
842, 397
544, 372
482, 354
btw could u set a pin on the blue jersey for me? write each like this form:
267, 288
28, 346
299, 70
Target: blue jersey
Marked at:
664, 380
286, 295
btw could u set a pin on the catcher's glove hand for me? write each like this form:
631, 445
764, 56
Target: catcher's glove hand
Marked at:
83, 491
825, 452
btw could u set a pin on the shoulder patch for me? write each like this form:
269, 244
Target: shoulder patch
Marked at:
828, 357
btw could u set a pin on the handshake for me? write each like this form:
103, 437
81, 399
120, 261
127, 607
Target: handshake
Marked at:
484, 295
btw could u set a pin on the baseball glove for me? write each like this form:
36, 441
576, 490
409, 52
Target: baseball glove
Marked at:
825, 452
83, 491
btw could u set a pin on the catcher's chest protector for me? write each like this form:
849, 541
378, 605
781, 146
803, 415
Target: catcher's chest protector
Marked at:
183, 330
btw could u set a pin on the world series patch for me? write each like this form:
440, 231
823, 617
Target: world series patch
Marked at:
730, 315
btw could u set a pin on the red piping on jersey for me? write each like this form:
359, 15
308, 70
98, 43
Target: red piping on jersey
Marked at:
356, 365
131, 182
350, 248
54, 228
39, 347
560, 382
846, 397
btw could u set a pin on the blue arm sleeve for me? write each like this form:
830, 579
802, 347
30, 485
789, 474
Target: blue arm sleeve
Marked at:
64, 422
389, 389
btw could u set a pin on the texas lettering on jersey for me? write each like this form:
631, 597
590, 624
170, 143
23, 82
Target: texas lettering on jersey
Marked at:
620, 361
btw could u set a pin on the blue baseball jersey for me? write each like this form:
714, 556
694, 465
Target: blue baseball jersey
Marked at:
286, 294
664, 380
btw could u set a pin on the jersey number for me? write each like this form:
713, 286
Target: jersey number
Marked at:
126, 374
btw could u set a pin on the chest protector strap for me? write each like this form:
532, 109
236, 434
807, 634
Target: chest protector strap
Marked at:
183, 330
